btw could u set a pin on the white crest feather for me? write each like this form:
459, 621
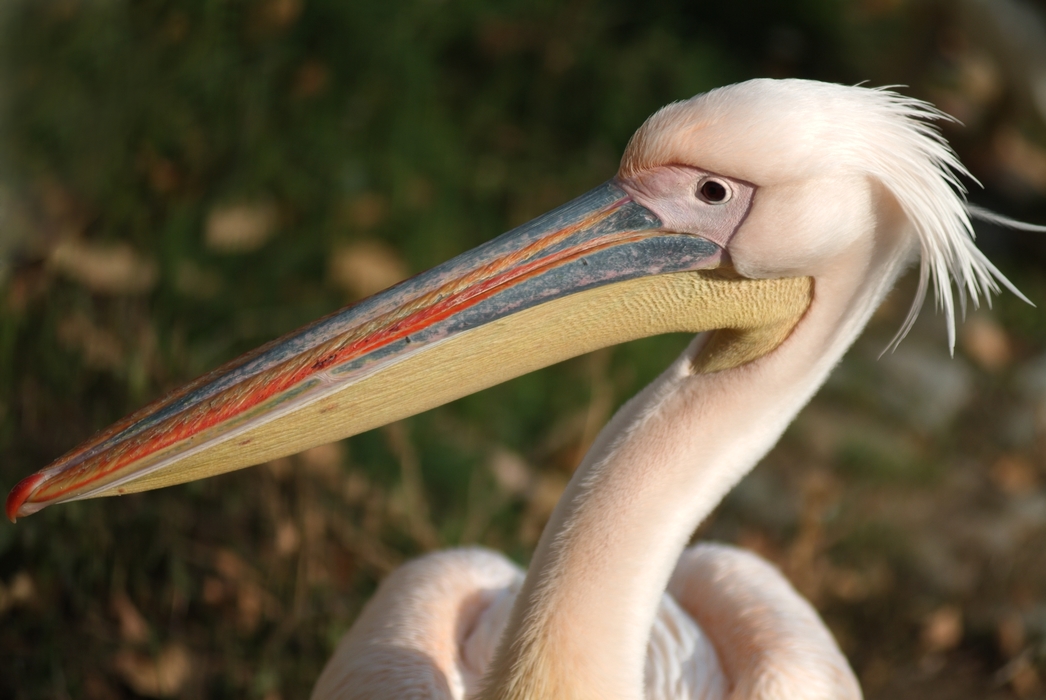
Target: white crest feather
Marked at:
923, 176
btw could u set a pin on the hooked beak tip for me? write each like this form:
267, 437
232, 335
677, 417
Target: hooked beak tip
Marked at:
16, 500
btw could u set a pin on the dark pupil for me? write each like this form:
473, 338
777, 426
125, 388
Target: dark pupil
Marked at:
713, 191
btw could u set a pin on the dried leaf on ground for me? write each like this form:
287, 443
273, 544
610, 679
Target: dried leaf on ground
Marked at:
366, 267
986, 341
942, 629
133, 627
161, 676
1014, 474
288, 539
106, 269
1022, 676
20, 591
240, 228
511, 471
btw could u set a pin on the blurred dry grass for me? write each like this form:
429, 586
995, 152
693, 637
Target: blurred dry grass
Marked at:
183, 181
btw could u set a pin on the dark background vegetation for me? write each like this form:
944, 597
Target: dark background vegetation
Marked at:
181, 181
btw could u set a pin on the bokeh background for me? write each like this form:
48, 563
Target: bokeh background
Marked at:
181, 181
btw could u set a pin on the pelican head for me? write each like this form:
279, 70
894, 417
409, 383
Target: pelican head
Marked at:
732, 212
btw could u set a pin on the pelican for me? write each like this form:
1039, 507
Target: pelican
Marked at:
771, 217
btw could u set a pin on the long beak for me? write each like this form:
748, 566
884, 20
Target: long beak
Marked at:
597, 271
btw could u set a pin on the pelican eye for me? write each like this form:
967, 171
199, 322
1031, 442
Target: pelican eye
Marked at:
714, 192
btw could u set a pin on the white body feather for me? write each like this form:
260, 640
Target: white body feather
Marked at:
453, 608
